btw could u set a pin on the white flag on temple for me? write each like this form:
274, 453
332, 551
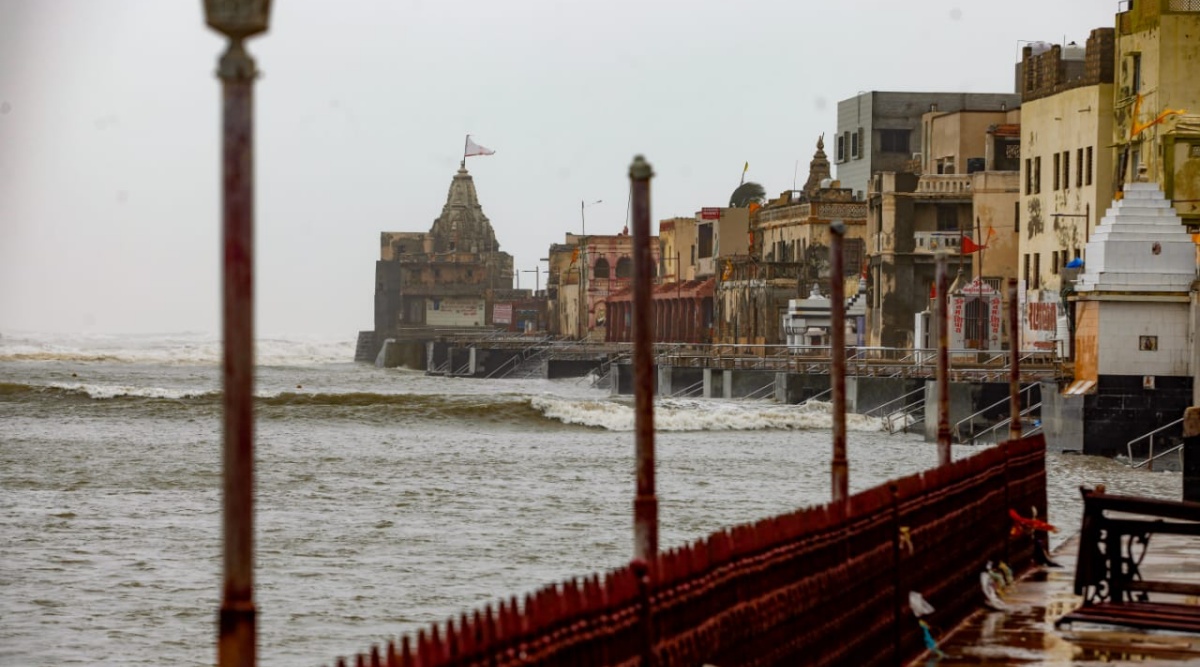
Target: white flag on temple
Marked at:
473, 148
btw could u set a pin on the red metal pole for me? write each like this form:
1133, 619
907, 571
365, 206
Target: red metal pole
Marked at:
237, 640
1014, 370
837, 350
645, 505
943, 361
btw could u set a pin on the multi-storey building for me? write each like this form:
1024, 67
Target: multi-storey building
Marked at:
959, 197
882, 131
1066, 167
1157, 99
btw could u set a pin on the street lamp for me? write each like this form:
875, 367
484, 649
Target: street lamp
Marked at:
582, 219
237, 20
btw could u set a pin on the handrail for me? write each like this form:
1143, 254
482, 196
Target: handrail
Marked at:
1006, 399
878, 410
817, 396
912, 414
1005, 422
1157, 456
1129, 445
688, 390
761, 391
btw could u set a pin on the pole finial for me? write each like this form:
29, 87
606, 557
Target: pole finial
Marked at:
640, 170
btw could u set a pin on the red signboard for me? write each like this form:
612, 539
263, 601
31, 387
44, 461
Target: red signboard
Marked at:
710, 213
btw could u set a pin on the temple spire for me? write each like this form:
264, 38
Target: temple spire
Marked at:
818, 169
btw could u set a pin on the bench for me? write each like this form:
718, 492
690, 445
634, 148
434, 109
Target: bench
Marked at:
1109, 573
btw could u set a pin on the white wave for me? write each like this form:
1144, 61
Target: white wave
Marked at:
170, 349
699, 415
107, 391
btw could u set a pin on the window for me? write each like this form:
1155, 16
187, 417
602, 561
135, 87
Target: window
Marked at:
1037, 175
1079, 168
1026, 270
855, 148
1028, 176
704, 235
1066, 170
947, 218
841, 149
1089, 166
1057, 165
1137, 73
893, 141
1016, 216
1037, 270
624, 268
600, 268
1054, 262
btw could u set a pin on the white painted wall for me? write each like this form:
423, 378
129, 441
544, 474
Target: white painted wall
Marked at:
1123, 323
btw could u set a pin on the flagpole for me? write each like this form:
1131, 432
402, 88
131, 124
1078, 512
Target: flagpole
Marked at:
463, 164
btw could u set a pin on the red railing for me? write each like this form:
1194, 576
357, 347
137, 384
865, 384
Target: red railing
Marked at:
824, 585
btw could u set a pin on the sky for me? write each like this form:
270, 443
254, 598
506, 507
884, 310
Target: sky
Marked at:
110, 131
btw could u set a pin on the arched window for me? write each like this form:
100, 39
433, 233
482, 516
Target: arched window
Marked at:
600, 268
625, 267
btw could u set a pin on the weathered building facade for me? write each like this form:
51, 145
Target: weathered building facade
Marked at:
882, 131
446, 278
584, 272
1066, 182
959, 196
1157, 99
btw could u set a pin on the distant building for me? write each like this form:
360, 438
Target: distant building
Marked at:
1157, 59
881, 131
1066, 175
584, 272
444, 279
960, 196
789, 257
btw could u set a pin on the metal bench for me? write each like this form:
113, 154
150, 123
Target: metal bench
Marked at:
1113, 542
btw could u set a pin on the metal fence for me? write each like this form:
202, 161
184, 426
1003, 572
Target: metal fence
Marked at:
825, 585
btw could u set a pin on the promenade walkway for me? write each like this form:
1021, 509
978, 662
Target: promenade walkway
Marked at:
1026, 635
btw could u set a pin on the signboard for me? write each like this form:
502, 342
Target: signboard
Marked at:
710, 213
502, 313
454, 311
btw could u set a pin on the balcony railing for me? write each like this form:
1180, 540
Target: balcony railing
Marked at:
930, 242
945, 184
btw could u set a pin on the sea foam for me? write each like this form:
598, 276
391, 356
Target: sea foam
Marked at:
700, 415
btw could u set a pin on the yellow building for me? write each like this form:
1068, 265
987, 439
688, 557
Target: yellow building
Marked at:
1158, 71
1066, 167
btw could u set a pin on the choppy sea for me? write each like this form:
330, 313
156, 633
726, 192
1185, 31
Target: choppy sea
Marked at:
386, 499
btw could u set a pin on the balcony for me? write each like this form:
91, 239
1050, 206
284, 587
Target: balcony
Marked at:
956, 185
931, 242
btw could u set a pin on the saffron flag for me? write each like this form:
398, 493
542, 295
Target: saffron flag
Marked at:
473, 148
969, 246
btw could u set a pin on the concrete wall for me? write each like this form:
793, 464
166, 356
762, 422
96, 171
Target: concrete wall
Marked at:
794, 388
1062, 419
1122, 324
864, 394
1121, 410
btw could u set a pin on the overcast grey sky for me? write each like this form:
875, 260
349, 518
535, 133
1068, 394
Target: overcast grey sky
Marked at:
109, 130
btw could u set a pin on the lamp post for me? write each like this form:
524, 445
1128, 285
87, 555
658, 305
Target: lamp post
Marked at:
238, 20
582, 218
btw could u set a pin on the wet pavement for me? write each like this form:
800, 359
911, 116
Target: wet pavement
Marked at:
1025, 633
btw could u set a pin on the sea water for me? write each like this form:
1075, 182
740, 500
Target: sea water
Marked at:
386, 499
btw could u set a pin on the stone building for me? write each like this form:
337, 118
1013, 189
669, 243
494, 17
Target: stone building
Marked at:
1157, 99
789, 255
881, 130
584, 272
1066, 182
444, 279
959, 197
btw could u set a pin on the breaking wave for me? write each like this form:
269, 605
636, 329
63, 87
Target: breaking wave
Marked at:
696, 415
169, 350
